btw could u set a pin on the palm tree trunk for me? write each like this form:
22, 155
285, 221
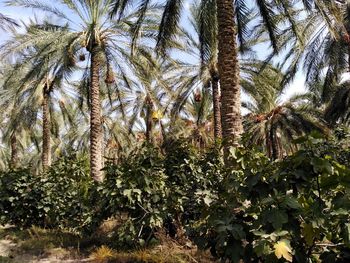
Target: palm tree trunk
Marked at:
274, 145
349, 57
216, 108
149, 124
95, 118
46, 154
14, 151
231, 118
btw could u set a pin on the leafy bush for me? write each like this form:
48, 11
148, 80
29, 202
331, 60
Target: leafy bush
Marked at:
60, 198
17, 206
296, 209
153, 191
256, 210
69, 194
192, 177
135, 188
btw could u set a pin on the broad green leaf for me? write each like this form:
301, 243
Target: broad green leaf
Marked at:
277, 218
291, 202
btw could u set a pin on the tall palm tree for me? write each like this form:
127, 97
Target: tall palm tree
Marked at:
275, 124
201, 16
105, 40
38, 72
232, 18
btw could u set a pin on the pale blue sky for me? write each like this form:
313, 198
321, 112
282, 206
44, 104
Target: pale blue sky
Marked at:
21, 14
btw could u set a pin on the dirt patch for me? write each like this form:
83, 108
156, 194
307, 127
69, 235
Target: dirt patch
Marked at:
37, 246
6, 247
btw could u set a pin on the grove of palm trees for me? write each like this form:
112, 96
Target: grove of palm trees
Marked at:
175, 131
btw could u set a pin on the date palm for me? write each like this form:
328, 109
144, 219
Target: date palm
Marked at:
148, 97
15, 124
232, 18
324, 52
196, 121
338, 109
105, 40
207, 46
272, 123
39, 71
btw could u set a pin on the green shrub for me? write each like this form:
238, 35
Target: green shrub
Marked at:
60, 198
135, 188
253, 210
18, 203
154, 191
296, 209
192, 179
68, 194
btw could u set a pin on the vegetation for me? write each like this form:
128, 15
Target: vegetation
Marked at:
122, 131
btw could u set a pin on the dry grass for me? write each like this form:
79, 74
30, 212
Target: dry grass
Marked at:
169, 251
155, 255
102, 254
42, 245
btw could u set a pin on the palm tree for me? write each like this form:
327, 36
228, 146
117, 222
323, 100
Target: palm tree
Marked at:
325, 56
20, 127
148, 97
231, 17
105, 40
11, 131
203, 15
74, 125
338, 109
196, 119
10, 127
36, 75
275, 124
324, 50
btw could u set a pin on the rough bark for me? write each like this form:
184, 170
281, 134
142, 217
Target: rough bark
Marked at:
149, 121
96, 134
216, 107
231, 118
349, 57
46, 151
14, 151
275, 149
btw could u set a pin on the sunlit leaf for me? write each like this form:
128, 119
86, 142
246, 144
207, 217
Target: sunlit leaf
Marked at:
283, 250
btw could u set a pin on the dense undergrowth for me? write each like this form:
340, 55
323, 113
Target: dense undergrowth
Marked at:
257, 210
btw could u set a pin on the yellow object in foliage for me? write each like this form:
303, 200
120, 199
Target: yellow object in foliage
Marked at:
283, 249
157, 115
